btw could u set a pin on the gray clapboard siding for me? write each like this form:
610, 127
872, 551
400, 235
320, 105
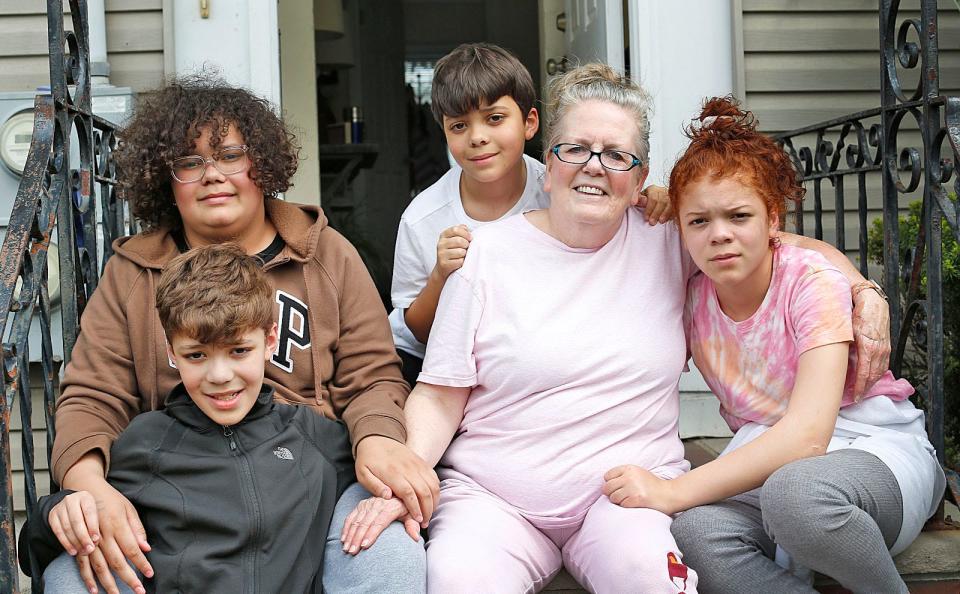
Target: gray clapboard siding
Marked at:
786, 111
828, 72
810, 61
828, 5
41, 474
126, 32
40, 6
38, 423
135, 45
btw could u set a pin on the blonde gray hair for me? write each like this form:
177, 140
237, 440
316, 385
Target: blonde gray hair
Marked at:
601, 83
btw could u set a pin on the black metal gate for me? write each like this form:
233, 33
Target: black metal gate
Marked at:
848, 148
73, 197
64, 197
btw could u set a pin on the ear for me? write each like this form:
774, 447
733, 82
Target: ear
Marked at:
271, 342
173, 362
531, 124
635, 196
774, 224
546, 174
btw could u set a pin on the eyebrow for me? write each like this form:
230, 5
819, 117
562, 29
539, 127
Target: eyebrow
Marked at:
192, 346
703, 212
189, 347
494, 107
212, 153
606, 147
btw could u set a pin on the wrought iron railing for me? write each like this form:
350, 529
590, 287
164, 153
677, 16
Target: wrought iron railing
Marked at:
75, 198
64, 197
851, 147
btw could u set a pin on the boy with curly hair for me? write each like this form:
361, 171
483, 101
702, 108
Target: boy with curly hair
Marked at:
202, 163
234, 488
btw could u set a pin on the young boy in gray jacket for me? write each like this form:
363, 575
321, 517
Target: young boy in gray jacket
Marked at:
236, 492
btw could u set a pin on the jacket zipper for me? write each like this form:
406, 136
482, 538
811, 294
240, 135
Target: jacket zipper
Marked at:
246, 480
228, 433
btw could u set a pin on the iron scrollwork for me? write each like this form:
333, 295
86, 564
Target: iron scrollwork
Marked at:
56, 201
869, 141
57, 198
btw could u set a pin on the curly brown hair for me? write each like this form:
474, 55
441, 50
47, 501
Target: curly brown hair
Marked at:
725, 142
166, 123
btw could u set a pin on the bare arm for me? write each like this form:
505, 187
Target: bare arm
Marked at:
871, 315
832, 254
804, 431
451, 250
419, 316
433, 415
655, 200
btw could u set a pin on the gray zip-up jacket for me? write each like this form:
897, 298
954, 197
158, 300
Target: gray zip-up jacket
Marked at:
239, 509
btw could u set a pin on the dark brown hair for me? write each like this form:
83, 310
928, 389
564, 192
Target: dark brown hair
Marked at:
478, 73
724, 143
166, 123
214, 293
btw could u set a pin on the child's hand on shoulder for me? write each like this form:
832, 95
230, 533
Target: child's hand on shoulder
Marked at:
370, 518
75, 524
451, 250
655, 200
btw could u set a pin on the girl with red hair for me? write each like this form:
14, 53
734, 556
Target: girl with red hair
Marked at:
818, 476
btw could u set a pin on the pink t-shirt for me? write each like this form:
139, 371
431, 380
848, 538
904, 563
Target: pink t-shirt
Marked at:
573, 356
751, 365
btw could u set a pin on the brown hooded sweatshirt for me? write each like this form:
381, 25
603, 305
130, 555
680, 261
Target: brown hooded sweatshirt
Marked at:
335, 349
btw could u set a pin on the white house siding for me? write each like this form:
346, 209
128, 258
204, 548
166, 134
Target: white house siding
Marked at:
811, 61
134, 43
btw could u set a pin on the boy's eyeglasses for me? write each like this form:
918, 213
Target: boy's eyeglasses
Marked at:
228, 160
579, 155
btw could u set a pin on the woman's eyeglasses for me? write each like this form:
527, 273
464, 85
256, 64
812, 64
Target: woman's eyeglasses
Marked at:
579, 155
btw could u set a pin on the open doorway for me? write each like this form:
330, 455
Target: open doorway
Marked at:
392, 48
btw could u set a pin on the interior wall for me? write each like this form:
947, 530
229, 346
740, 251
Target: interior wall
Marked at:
386, 34
376, 84
434, 27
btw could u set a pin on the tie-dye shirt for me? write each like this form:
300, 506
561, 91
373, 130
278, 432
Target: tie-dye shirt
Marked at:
751, 365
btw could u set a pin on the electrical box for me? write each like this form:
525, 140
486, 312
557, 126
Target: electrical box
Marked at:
114, 104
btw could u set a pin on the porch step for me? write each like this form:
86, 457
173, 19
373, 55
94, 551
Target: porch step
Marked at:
700, 415
930, 566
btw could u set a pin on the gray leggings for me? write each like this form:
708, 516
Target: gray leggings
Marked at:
837, 514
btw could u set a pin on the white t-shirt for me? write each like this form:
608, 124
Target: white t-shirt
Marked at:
573, 357
435, 209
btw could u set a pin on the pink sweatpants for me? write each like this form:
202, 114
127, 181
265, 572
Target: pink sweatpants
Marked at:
479, 543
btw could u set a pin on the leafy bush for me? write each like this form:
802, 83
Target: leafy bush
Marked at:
915, 360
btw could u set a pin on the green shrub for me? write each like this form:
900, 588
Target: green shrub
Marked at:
915, 361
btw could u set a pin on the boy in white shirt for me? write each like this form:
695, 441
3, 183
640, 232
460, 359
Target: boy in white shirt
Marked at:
483, 97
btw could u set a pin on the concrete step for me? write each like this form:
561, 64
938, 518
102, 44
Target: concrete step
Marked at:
930, 566
700, 415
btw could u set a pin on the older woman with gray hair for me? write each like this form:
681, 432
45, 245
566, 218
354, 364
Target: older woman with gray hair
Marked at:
553, 365
553, 360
